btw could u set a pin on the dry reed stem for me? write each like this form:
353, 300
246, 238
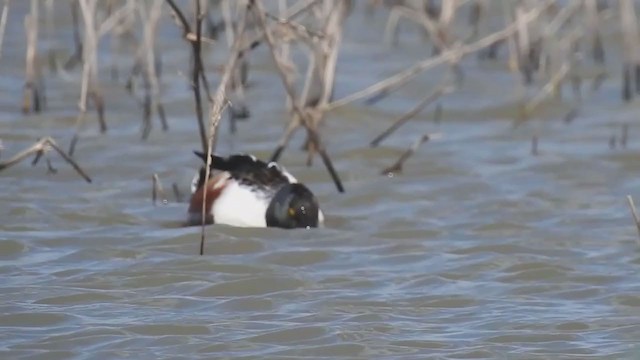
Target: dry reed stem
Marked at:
90, 88
523, 41
322, 52
218, 105
238, 79
397, 166
514, 58
554, 82
182, 22
50, 168
3, 23
157, 190
300, 31
225, 8
152, 97
90, 85
613, 142
40, 147
437, 114
634, 213
454, 53
593, 20
176, 193
76, 57
33, 91
292, 12
87, 10
436, 33
306, 117
549, 87
197, 69
624, 135
397, 123
534, 145
121, 30
631, 53
325, 62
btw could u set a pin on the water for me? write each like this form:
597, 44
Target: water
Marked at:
477, 250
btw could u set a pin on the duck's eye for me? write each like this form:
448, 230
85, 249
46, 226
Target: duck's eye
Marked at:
292, 212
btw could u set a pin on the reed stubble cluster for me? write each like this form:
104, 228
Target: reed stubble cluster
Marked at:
548, 45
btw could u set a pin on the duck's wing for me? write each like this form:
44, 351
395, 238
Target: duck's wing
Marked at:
247, 169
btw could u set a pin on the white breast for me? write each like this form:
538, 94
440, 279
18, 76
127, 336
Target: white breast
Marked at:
238, 205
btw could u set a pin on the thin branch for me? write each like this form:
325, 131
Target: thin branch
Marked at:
176, 193
218, 106
3, 23
397, 166
441, 90
157, 190
543, 93
197, 70
33, 90
41, 146
291, 13
396, 81
304, 116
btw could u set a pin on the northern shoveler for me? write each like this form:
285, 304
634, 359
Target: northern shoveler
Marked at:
248, 192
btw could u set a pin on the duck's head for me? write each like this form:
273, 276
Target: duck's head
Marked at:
293, 206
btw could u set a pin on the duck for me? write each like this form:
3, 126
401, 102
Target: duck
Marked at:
243, 191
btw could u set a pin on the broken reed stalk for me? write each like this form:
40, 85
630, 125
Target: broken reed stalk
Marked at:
397, 166
597, 47
76, 57
176, 193
90, 88
3, 23
631, 53
624, 136
219, 103
294, 11
305, 116
89, 85
90, 42
39, 148
437, 114
554, 83
534, 145
324, 49
634, 213
549, 87
157, 190
152, 97
329, 58
33, 96
435, 30
397, 123
238, 109
396, 81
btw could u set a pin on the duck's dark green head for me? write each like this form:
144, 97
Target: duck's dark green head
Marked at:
293, 206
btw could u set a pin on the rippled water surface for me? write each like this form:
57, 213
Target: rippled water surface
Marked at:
477, 250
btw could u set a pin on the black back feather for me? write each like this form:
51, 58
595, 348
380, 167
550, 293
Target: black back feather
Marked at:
247, 169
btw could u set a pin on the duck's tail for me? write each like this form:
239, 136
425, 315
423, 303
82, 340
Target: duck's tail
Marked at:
217, 162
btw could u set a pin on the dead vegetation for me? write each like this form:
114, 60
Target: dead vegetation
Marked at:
547, 46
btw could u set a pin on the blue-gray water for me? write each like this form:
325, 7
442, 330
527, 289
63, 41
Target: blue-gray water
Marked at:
477, 250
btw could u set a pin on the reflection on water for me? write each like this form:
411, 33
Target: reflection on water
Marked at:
477, 250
